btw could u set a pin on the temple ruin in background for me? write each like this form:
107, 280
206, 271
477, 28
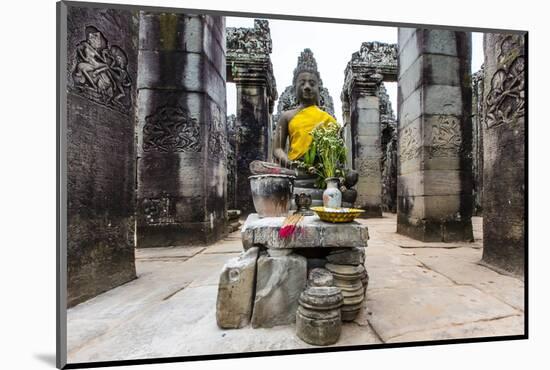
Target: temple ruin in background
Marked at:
364, 106
249, 66
153, 160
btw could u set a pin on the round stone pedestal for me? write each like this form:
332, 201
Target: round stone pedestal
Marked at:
348, 279
318, 318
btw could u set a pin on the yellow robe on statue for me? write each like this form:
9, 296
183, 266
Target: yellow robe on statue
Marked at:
300, 127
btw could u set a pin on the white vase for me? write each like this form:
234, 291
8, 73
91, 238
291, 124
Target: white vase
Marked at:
332, 196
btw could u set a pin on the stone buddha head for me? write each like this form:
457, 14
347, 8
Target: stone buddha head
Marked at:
306, 87
306, 79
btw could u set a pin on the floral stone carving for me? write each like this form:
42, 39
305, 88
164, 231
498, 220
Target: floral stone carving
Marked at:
171, 129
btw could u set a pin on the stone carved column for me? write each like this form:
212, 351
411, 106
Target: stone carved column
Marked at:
365, 121
181, 161
435, 135
100, 152
249, 66
372, 64
504, 152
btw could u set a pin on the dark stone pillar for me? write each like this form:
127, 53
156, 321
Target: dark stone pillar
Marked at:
435, 135
249, 66
477, 141
504, 152
101, 97
181, 130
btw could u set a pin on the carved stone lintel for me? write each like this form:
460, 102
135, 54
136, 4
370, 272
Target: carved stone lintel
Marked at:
251, 41
376, 54
248, 57
362, 81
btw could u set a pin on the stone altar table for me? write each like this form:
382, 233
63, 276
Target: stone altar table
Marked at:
264, 232
282, 266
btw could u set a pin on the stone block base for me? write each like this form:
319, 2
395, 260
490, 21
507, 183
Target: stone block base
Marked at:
236, 291
280, 281
436, 231
371, 211
199, 233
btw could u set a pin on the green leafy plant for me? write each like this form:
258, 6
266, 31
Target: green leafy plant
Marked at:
326, 154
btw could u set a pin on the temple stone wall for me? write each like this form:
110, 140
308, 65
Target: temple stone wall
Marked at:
504, 152
101, 100
434, 186
181, 130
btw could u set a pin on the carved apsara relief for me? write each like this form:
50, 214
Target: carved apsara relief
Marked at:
171, 129
446, 137
217, 140
409, 143
100, 71
505, 101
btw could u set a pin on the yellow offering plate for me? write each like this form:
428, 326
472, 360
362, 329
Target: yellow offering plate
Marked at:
337, 215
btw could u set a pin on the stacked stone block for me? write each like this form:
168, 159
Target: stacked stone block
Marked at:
181, 130
435, 135
318, 318
504, 109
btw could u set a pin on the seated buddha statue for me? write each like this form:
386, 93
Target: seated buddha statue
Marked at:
294, 126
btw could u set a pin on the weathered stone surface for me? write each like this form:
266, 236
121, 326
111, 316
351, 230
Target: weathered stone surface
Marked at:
504, 152
321, 298
314, 233
236, 291
320, 332
345, 272
100, 152
119, 324
182, 176
279, 283
351, 256
434, 187
512, 325
396, 312
318, 318
320, 277
348, 279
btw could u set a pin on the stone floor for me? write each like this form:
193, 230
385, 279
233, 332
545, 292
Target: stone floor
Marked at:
417, 291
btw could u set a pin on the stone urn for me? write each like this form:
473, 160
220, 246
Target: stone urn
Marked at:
272, 194
332, 196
